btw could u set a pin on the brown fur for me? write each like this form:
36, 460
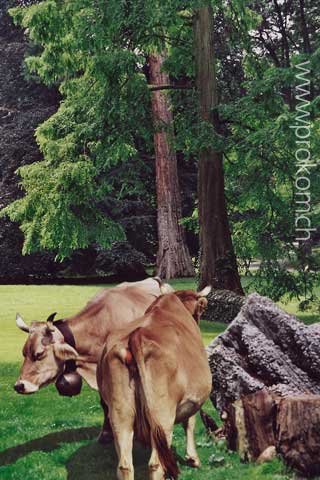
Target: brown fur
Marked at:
191, 301
109, 310
146, 424
167, 381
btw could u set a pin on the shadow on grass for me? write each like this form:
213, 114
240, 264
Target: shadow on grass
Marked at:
92, 461
48, 443
99, 462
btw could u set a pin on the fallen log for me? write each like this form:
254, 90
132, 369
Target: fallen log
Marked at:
266, 384
264, 347
223, 305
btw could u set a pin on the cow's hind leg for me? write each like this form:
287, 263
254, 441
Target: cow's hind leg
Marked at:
191, 452
124, 443
106, 435
122, 414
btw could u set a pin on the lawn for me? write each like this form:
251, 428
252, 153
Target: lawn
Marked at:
48, 437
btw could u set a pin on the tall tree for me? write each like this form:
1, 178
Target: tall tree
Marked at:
173, 257
96, 52
218, 265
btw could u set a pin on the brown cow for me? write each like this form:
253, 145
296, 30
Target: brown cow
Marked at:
52, 348
152, 374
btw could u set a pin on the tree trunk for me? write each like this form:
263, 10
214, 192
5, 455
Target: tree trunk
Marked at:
218, 265
173, 258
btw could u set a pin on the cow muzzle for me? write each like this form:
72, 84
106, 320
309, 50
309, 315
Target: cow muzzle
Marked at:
25, 387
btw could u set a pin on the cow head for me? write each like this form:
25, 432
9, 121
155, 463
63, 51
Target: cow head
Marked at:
45, 353
195, 302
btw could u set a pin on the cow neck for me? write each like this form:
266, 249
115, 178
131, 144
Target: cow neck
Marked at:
64, 328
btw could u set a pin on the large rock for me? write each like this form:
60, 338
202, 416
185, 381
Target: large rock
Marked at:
264, 347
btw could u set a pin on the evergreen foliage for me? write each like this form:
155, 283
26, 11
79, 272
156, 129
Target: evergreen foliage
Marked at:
98, 147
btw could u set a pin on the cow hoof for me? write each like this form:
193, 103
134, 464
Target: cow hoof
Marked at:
105, 437
193, 462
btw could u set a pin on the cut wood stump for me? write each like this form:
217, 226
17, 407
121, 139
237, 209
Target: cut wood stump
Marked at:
266, 384
298, 433
291, 425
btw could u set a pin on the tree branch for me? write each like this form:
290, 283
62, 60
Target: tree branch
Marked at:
169, 87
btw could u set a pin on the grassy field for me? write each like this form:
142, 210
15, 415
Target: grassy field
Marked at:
48, 437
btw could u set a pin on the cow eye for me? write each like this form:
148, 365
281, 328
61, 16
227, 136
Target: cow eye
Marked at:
39, 355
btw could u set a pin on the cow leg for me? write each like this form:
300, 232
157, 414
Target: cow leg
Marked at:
191, 453
124, 442
106, 435
121, 401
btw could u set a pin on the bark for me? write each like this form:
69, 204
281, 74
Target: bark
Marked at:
266, 385
264, 347
298, 441
173, 258
218, 265
223, 306
263, 422
250, 424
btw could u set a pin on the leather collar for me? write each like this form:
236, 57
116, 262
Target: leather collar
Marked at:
64, 328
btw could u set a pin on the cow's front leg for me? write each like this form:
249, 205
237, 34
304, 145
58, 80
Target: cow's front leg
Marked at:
191, 452
106, 435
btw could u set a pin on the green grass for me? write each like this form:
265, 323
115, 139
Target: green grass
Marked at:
48, 437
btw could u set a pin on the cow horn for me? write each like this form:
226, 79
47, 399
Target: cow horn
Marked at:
50, 322
21, 323
205, 292
51, 317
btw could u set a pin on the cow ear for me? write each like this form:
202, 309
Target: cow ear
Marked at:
200, 307
64, 351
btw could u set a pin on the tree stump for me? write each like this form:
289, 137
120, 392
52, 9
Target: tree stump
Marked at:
298, 433
266, 384
291, 424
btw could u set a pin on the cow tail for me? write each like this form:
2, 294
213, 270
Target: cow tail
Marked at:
146, 424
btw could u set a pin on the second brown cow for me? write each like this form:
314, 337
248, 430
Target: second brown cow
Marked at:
152, 374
